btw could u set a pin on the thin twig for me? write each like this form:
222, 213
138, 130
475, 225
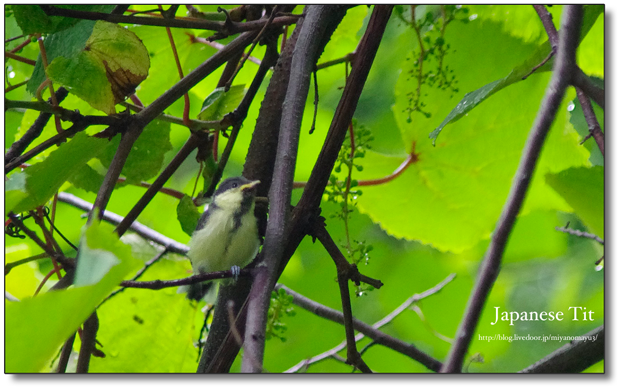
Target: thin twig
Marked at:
194, 279
9, 266
19, 58
19, 146
572, 357
158, 184
32, 235
147, 265
580, 233
186, 23
370, 331
70, 132
254, 43
593, 126
137, 227
65, 354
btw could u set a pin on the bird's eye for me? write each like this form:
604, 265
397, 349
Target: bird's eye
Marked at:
235, 185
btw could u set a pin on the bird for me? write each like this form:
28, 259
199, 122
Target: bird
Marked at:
226, 236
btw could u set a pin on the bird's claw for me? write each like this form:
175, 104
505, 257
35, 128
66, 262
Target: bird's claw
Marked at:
236, 271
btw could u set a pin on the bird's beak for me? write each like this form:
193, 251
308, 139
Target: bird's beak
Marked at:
250, 186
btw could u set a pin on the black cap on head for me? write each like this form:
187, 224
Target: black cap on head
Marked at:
230, 183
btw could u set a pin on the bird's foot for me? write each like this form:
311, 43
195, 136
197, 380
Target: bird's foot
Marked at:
236, 271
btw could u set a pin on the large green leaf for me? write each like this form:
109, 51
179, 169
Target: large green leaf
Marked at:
34, 186
452, 196
37, 327
109, 67
128, 322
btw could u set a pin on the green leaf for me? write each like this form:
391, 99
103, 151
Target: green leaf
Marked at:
583, 189
147, 154
29, 345
110, 66
129, 321
188, 215
474, 98
66, 43
34, 186
221, 102
452, 196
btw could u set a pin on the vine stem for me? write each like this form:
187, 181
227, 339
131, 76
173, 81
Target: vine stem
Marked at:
186, 120
50, 86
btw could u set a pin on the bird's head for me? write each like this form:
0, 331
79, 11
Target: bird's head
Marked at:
235, 191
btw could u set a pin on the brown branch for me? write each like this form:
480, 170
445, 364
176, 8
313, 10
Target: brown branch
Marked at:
579, 233
593, 126
220, 350
573, 357
19, 146
158, 184
582, 81
579, 80
490, 266
313, 191
345, 271
19, 58
78, 126
547, 21
65, 354
89, 339
194, 279
346, 59
228, 28
315, 28
147, 265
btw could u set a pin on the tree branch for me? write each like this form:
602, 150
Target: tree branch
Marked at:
19, 146
158, 184
228, 28
579, 233
89, 338
309, 43
573, 357
221, 348
490, 267
582, 81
